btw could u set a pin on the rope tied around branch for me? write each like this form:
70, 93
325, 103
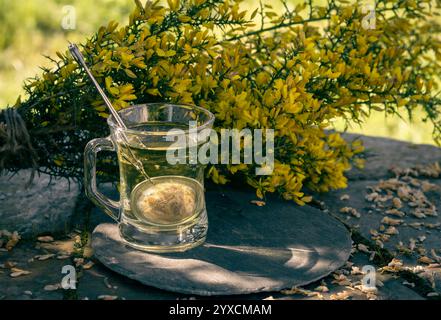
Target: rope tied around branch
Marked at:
16, 150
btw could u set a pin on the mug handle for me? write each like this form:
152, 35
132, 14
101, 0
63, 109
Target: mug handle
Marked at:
111, 207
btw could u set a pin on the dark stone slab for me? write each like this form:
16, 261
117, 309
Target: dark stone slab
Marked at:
371, 219
41, 274
383, 154
387, 286
249, 249
45, 206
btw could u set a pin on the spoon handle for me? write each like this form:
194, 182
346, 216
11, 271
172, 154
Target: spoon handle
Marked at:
73, 48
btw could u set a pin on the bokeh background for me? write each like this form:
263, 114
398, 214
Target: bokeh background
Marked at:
31, 30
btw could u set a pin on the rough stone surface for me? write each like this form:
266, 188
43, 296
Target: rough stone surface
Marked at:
383, 154
385, 286
248, 249
371, 219
30, 286
43, 207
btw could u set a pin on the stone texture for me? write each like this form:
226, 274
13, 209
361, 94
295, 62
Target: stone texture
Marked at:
383, 154
371, 220
387, 286
46, 206
42, 273
99, 281
248, 249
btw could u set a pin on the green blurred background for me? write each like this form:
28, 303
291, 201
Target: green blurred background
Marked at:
32, 29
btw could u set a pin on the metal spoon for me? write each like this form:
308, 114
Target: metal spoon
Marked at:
73, 48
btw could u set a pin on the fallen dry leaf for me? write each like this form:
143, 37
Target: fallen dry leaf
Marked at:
425, 260
435, 256
392, 230
341, 280
344, 295
45, 239
395, 212
391, 222
88, 265
322, 288
52, 287
418, 214
258, 203
396, 202
351, 211
44, 257
13, 241
107, 297
79, 261
15, 273
361, 247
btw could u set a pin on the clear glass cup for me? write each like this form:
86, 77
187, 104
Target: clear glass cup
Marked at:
149, 128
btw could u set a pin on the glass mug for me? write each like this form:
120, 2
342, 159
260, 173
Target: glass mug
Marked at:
179, 221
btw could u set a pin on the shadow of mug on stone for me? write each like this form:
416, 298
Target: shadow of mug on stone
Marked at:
167, 212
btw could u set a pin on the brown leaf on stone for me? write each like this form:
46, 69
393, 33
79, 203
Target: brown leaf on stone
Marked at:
435, 256
322, 288
356, 271
15, 273
412, 244
427, 186
88, 265
410, 284
52, 287
391, 222
344, 295
341, 280
395, 212
433, 225
361, 247
79, 261
433, 294
258, 203
352, 211
397, 203
372, 196
9, 265
13, 241
415, 225
418, 213
392, 230
425, 260
107, 297
45, 239
395, 265
44, 257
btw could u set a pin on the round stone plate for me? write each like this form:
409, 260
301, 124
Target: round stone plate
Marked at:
249, 249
